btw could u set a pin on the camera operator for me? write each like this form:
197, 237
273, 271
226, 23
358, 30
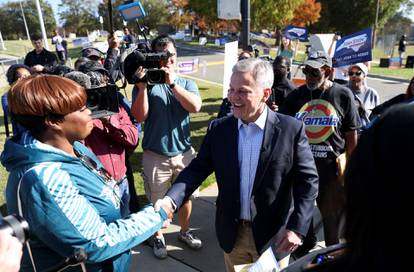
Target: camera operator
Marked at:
112, 137
167, 146
282, 86
66, 196
10, 252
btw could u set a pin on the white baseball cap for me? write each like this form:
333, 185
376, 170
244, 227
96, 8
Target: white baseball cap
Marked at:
361, 67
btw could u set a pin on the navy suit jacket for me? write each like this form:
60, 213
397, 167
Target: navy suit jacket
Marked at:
285, 186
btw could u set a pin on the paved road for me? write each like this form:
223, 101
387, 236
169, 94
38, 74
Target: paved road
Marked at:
211, 69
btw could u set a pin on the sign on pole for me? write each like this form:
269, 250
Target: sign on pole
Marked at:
353, 48
228, 9
230, 59
296, 33
188, 66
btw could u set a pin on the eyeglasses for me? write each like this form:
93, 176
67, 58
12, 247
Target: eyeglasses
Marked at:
358, 73
316, 73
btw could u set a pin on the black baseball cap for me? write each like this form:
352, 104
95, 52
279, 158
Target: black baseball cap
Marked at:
318, 59
90, 51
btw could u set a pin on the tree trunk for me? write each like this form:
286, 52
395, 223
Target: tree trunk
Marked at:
278, 34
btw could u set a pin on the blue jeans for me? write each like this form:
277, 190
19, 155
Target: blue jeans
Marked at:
125, 196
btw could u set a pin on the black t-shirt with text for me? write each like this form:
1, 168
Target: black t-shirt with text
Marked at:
327, 116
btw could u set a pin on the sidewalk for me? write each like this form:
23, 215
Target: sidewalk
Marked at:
180, 257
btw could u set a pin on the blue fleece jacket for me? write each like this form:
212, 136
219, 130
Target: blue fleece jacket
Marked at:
68, 206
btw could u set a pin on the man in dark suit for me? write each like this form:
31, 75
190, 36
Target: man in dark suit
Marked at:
265, 172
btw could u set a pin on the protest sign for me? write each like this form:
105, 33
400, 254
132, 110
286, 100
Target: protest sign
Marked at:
353, 48
296, 33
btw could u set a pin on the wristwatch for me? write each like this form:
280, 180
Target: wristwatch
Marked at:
171, 86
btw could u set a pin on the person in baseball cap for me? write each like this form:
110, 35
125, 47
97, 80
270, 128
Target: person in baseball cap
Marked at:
92, 53
318, 59
318, 68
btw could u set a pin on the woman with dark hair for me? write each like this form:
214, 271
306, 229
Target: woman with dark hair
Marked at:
14, 73
59, 186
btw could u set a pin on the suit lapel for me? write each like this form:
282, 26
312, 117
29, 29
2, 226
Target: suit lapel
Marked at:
270, 137
232, 142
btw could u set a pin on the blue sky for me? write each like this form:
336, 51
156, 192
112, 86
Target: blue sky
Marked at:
54, 4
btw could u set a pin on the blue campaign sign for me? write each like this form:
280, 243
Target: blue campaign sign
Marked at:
353, 48
296, 33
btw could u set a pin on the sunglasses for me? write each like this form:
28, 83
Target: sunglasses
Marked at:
312, 72
355, 73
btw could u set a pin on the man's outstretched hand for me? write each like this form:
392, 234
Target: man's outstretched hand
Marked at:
167, 205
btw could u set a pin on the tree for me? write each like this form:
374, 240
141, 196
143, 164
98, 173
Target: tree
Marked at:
180, 14
78, 16
272, 13
397, 25
307, 13
352, 16
12, 25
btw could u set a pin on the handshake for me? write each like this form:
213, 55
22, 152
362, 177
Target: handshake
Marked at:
168, 206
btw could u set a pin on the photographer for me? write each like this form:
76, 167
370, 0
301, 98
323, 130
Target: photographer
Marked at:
10, 253
167, 146
112, 137
66, 196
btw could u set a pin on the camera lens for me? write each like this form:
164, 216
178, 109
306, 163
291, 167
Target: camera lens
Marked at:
155, 76
16, 226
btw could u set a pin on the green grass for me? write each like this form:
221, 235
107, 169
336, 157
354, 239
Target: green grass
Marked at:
403, 73
211, 96
22, 47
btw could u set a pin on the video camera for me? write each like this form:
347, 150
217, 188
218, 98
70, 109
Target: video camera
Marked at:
102, 101
16, 226
151, 61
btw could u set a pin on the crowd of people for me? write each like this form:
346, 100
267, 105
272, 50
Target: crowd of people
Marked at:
277, 151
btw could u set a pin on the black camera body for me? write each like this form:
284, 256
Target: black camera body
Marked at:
103, 101
150, 61
16, 226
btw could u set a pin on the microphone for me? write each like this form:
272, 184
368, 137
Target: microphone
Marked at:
79, 256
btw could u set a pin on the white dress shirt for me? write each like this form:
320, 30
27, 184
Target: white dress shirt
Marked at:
250, 143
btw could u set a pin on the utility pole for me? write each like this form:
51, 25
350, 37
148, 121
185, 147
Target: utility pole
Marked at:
2, 46
374, 34
42, 25
245, 35
24, 20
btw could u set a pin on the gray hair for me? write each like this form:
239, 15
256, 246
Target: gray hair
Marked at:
261, 71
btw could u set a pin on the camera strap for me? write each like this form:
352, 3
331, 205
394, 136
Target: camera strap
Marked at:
19, 206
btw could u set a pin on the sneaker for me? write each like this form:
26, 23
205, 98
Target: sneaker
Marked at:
190, 239
159, 249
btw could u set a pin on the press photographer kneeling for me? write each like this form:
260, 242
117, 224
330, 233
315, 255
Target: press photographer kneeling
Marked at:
66, 195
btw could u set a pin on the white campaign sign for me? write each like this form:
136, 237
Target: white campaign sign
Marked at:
228, 9
230, 59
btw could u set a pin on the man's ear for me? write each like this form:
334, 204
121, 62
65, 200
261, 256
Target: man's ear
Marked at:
267, 92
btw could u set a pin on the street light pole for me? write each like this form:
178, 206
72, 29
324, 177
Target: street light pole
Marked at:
42, 25
245, 11
24, 20
2, 46
374, 36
